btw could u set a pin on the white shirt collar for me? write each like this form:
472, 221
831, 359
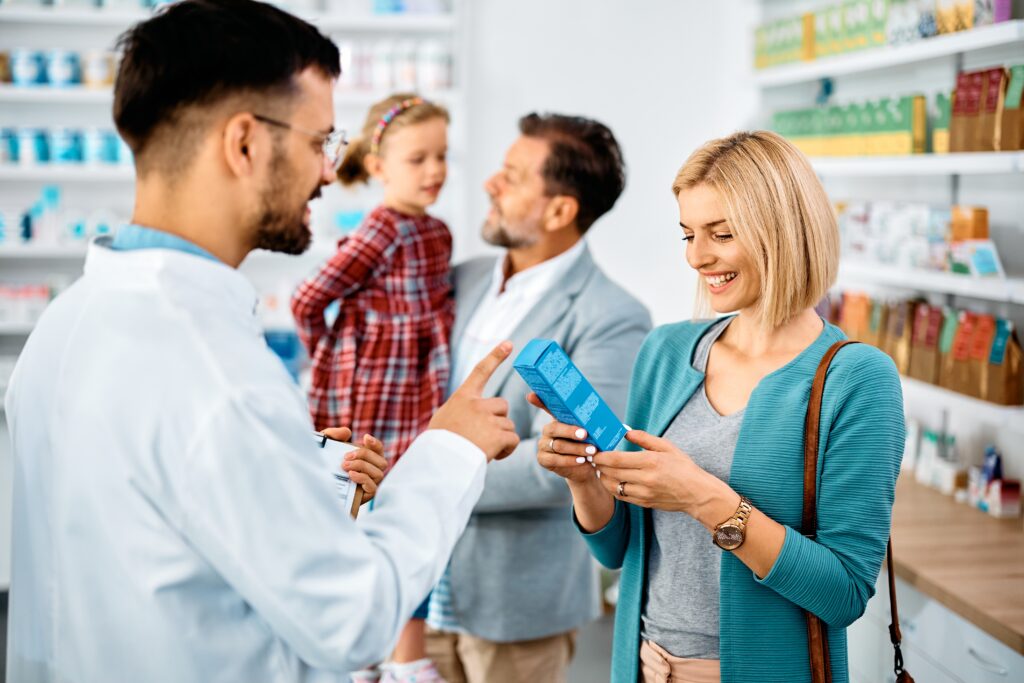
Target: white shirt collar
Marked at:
539, 278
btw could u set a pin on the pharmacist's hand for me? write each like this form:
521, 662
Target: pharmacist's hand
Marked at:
661, 476
365, 465
561, 449
484, 421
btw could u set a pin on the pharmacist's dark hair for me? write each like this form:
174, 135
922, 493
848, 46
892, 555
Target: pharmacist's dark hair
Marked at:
195, 54
584, 162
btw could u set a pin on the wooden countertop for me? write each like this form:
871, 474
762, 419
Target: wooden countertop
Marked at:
966, 560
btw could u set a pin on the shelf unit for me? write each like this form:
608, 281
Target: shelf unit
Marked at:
15, 329
38, 253
962, 163
106, 18
1004, 290
13, 94
67, 173
991, 414
876, 59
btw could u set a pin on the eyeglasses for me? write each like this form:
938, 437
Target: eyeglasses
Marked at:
333, 143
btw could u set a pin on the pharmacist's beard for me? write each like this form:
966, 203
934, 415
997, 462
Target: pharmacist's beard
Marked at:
280, 227
500, 236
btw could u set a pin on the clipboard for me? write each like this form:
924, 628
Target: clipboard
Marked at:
351, 494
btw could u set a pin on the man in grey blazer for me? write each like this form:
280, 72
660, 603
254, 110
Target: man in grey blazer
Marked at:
521, 581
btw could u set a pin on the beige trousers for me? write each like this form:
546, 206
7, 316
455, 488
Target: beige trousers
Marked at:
462, 658
658, 666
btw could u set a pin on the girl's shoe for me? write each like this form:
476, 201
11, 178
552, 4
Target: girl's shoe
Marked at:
420, 671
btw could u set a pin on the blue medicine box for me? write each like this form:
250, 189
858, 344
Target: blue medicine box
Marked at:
567, 394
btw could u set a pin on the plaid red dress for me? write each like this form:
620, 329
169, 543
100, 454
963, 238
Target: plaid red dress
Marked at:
383, 367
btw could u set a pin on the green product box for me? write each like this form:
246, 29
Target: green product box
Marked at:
834, 21
941, 107
878, 21
850, 140
834, 127
822, 44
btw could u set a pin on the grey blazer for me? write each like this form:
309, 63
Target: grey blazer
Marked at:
521, 570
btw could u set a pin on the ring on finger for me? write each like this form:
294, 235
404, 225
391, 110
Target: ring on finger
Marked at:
551, 445
621, 491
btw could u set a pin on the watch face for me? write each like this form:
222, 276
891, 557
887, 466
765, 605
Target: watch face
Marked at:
729, 537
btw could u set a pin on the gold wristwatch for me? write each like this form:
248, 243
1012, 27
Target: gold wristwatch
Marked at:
731, 533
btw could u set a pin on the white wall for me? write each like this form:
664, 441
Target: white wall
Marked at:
665, 76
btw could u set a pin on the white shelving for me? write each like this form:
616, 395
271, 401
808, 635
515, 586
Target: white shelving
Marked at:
963, 163
105, 96
59, 16
15, 329
1003, 417
28, 253
56, 16
1006, 33
70, 173
1010, 290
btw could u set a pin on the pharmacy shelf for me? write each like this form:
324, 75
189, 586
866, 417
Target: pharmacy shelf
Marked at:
981, 412
962, 163
1008, 290
59, 16
31, 252
42, 94
71, 173
12, 94
15, 329
874, 59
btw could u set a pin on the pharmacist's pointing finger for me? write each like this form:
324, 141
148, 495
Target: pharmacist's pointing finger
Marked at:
477, 380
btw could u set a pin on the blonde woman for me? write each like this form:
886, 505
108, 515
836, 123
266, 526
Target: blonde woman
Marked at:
722, 404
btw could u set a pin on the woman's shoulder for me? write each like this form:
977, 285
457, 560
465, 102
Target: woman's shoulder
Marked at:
680, 336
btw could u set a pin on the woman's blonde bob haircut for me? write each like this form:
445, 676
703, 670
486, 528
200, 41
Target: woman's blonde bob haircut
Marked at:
777, 211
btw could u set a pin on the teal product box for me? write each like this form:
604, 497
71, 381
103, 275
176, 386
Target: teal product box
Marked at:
567, 394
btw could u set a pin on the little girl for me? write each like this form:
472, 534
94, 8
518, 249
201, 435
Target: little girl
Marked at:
382, 367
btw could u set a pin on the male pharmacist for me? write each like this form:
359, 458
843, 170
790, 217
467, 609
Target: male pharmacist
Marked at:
173, 520
521, 580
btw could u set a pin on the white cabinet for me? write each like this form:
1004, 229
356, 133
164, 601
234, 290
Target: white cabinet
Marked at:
938, 645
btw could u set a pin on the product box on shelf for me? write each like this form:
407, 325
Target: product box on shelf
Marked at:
947, 338
987, 137
940, 123
959, 358
1003, 382
1012, 124
924, 354
899, 333
968, 223
875, 334
967, 100
978, 355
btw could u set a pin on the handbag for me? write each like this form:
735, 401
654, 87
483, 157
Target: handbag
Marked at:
817, 635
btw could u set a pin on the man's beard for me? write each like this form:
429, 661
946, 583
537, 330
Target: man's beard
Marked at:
499, 236
278, 228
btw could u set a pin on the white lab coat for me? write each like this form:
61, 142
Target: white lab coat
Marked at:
173, 518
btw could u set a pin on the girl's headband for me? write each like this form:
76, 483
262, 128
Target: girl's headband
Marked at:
385, 120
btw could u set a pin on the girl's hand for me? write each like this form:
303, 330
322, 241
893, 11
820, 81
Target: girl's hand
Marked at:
663, 477
561, 449
365, 466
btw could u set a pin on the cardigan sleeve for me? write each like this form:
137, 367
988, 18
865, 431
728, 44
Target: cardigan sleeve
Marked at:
359, 256
834, 575
608, 544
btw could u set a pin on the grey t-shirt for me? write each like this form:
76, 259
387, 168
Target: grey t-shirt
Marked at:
681, 614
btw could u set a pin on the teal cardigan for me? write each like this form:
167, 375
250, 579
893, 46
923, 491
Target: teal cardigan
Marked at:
763, 633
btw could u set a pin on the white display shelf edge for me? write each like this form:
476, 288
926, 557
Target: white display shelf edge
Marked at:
1009, 290
326, 22
960, 163
872, 59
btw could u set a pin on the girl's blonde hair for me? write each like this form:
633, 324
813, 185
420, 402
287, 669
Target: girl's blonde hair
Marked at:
352, 170
778, 212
